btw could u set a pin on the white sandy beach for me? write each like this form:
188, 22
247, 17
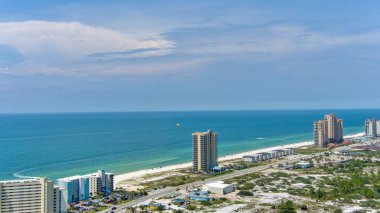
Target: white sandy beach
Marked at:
140, 173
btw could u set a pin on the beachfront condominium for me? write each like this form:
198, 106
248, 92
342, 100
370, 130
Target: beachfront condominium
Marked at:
372, 128
32, 195
205, 153
329, 130
82, 187
106, 180
74, 189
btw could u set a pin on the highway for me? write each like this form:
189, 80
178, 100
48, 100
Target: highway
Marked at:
168, 190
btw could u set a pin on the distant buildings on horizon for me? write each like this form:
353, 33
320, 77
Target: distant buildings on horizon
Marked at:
205, 154
329, 130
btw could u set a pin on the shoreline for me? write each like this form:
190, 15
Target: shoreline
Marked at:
140, 173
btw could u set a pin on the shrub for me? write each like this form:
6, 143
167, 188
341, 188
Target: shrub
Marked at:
287, 207
205, 203
303, 207
191, 208
245, 193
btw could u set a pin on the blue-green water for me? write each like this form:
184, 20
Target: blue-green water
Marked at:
58, 145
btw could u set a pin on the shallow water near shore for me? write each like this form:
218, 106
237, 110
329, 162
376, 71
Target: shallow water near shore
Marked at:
59, 145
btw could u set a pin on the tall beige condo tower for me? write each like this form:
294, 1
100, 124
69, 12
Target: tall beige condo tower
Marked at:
204, 151
32, 196
329, 130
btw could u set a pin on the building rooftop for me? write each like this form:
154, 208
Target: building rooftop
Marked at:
201, 133
262, 153
219, 184
303, 163
199, 193
76, 177
32, 180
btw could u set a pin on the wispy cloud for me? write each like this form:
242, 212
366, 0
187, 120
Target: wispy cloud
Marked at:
136, 53
271, 39
59, 43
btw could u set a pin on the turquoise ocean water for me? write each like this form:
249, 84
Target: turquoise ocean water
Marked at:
59, 145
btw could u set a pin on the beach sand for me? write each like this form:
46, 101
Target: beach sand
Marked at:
141, 173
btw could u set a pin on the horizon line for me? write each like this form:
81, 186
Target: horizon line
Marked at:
189, 110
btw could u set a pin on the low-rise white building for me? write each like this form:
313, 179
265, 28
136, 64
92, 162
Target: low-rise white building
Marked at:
280, 153
262, 156
273, 154
219, 187
251, 158
265, 156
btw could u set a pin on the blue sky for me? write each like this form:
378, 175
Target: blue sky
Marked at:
64, 56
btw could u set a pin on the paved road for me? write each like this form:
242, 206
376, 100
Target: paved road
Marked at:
168, 190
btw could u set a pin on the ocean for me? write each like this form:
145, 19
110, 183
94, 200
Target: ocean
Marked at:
65, 144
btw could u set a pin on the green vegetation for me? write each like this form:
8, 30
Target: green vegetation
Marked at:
287, 207
246, 186
191, 207
219, 201
245, 193
370, 203
205, 203
310, 150
302, 180
179, 180
173, 181
348, 182
243, 179
303, 207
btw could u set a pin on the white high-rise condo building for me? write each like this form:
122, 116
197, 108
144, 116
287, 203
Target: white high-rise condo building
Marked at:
82, 187
372, 128
205, 152
329, 130
31, 196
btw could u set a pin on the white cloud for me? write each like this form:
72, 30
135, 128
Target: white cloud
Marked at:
65, 42
75, 49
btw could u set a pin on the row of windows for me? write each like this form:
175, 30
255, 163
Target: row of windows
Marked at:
21, 208
19, 200
21, 194
21, 189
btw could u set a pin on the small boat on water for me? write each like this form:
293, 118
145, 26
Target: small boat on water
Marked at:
178, 125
